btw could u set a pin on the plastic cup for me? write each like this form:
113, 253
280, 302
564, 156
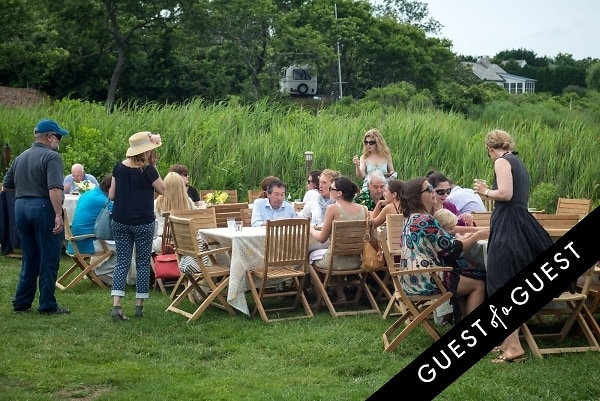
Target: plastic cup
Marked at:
231, 224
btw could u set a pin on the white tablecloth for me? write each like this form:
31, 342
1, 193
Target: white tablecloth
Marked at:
70, 203
247, 251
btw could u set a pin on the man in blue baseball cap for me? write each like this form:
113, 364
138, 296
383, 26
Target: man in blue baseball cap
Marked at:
37, 176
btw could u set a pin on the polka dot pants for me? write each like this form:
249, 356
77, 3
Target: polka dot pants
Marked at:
126, 237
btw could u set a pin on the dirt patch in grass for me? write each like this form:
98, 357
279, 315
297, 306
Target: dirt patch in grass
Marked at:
20, 97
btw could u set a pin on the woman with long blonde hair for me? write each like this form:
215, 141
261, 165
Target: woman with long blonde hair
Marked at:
174, 198
376, 156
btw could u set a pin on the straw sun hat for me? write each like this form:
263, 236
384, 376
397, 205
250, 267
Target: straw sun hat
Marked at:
142, 142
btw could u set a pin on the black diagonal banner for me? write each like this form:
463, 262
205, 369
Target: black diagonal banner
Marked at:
501, 314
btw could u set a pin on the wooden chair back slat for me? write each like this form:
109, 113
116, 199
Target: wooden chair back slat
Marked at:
227, 211
394, 224
254, 194
580, 207
482, 219
246, 215
557, 220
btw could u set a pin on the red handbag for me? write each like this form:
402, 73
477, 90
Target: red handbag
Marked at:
166, 267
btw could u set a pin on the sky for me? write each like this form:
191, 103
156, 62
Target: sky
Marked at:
546, 27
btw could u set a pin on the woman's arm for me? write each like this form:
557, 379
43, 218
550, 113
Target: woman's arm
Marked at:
472, 239
379, 217
111, 190
323, 235
504, 180
361, 167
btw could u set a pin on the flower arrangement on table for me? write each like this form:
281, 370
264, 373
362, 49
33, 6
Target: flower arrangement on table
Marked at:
84, 186
216, 198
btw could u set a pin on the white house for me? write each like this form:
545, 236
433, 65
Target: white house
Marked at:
489, 72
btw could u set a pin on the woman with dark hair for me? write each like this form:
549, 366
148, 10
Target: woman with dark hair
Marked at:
424, 240
342, 191
441, 190
390, 204
312, 187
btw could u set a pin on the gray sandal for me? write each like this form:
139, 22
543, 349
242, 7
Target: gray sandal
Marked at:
117, 314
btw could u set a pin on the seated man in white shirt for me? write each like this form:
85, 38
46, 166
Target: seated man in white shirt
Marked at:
465, 200
77, 175
274, 207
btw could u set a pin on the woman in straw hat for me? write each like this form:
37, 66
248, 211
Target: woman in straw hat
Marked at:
134, 181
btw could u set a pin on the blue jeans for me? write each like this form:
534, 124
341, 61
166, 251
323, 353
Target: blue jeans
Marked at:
41, 248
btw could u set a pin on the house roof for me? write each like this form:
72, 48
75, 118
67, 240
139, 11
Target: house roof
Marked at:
487, 71
484, 73
512, 77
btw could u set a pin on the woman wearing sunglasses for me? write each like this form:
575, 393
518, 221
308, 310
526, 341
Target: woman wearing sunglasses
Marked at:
441, 190
424, 240
376, 156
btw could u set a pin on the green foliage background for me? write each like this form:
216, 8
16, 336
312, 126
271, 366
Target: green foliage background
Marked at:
233, 146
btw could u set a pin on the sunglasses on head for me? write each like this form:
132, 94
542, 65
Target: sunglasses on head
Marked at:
428, 189
443, 191
370, 143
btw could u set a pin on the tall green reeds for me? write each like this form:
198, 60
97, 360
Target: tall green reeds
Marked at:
235, 146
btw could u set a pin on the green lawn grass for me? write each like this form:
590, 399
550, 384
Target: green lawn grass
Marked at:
86, 356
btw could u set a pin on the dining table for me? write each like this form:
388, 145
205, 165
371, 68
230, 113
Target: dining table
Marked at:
247, 251
69, 204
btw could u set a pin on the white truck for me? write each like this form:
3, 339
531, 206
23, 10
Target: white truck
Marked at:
296, 80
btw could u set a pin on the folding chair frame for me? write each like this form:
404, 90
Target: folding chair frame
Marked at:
83, 263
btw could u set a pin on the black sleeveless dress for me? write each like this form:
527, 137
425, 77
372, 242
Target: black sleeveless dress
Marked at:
516, 238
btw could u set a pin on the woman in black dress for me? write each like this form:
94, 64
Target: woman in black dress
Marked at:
516, 237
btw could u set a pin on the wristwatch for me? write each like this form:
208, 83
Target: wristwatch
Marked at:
487, 191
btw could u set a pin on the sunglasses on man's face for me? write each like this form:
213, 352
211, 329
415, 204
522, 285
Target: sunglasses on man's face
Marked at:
58, 137
370, 143
443, 191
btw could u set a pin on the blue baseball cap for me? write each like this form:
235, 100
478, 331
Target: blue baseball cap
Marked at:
47, 126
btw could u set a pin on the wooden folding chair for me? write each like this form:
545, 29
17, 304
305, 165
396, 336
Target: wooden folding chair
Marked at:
557, 220
164, 283
286, 259
392, 234
211, 283
415, 310
232, 196
572, 307
83, 261
246, 215
254, 194
580, 207
346, 239
203, 218
394, 300
482, 219
228, 211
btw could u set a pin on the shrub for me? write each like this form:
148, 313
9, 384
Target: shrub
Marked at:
544, 197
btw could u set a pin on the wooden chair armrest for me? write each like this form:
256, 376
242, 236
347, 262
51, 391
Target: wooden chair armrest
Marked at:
216, 250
